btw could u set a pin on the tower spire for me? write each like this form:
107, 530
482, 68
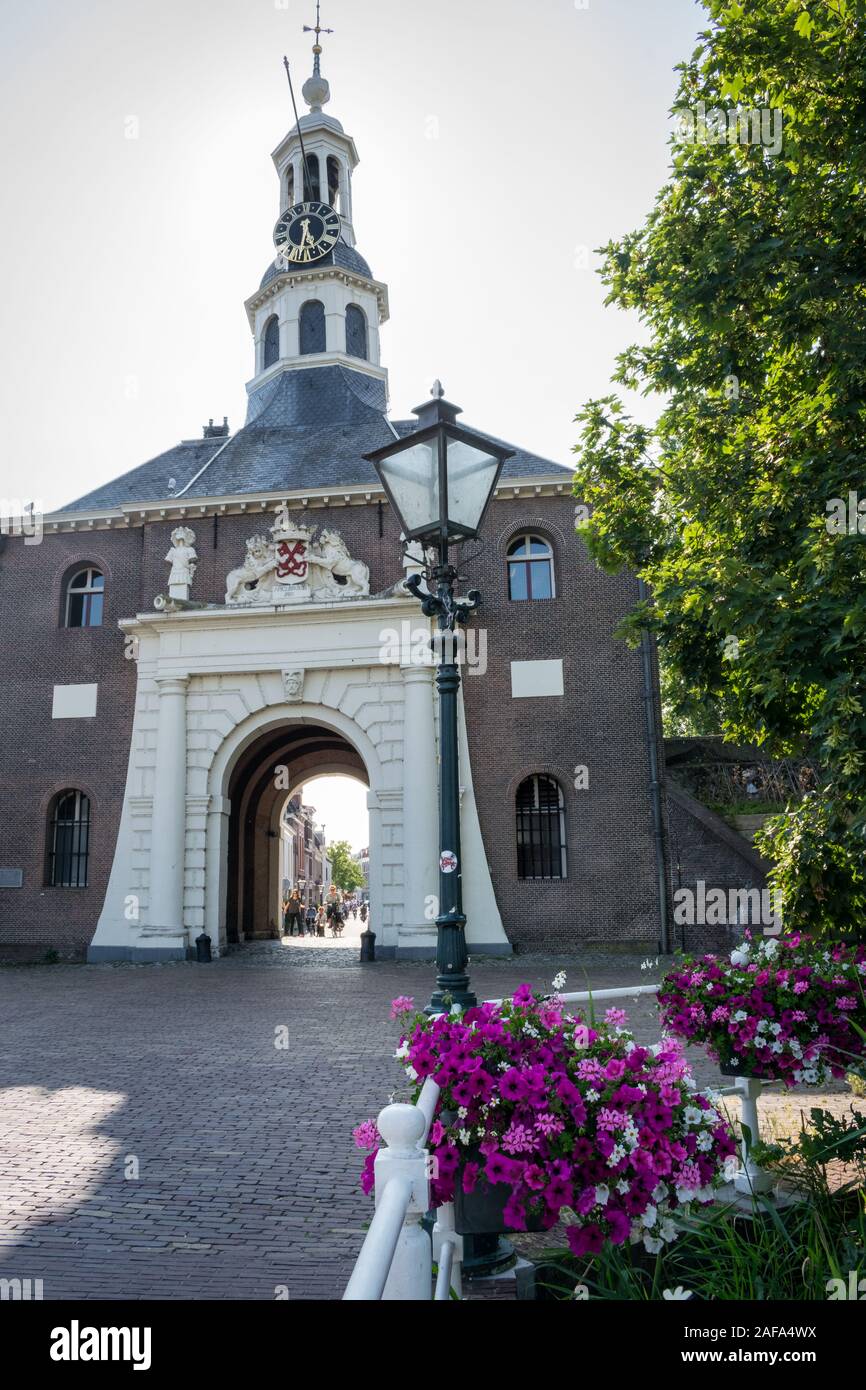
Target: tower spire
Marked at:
317, 46
316, 90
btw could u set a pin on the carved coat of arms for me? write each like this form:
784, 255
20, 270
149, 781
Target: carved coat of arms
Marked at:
292, 567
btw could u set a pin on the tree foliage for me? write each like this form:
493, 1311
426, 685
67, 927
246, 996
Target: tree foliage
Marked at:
346, 872
750, 278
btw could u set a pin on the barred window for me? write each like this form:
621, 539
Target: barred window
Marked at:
541, 851
69, 840
84, 598
530, 568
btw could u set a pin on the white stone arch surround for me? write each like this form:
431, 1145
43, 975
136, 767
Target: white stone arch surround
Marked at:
242, 737
213, 680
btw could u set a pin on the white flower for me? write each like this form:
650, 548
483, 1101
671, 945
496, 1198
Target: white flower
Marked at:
648, 1218
559, 980
652, 1243
659, 1192
402, 1050
679, 1293
770, 947
412, 1073
602, 1192
692, 1115
740, 1016
592, 1095
668, 1230
705, 1141
740, 956
466, 1137
623, 1187
462, 1112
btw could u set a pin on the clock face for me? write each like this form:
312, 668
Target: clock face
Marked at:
306, 232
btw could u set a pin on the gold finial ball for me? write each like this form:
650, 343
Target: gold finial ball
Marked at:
317, 48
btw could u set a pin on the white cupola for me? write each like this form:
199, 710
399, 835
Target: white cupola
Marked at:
326, 311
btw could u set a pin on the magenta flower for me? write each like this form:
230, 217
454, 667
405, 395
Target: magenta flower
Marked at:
366, 1135
470, 1177
618, 1225
499, 1168
584, 1240
403, 1004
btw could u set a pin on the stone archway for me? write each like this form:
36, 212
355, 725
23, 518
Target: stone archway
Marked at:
211, 682
263, 778
241, 858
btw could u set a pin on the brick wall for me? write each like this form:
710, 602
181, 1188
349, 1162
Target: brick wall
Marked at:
598, 723
609, 895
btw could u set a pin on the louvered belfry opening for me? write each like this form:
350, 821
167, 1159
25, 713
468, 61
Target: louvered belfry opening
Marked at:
541, 851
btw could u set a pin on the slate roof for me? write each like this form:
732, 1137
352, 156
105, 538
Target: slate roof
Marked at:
307, 428
343, 256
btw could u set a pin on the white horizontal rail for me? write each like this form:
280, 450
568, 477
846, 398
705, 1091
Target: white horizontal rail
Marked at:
587, 996
373, 1264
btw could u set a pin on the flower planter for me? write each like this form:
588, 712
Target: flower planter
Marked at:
728, 1068
482, 1212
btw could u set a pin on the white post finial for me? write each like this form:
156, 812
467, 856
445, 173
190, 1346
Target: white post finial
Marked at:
437, 390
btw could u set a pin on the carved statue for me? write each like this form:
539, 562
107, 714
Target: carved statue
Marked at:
260, 561
292, 569
182, 559
332, 558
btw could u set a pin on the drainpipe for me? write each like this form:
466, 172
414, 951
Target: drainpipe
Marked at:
649, 706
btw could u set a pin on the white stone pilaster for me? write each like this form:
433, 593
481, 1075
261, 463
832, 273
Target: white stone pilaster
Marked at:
165, 915
420, 809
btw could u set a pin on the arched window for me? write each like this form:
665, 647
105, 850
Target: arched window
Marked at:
272, 342
540, 829
312, 182
290, 187
356, 332
312, 326
68, 840
530, 568
85, 592
334, 182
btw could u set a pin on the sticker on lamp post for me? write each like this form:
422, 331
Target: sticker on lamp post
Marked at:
447, 861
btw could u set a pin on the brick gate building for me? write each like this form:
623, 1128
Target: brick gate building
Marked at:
236, 606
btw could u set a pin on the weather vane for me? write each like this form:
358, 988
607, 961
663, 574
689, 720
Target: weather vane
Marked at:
318, 31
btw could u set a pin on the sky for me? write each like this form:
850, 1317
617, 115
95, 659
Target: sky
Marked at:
500, 143
340, 804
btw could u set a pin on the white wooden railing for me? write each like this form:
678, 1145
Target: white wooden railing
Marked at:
397, 1258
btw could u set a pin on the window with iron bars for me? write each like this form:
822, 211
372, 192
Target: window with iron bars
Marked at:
541, 847
69, 841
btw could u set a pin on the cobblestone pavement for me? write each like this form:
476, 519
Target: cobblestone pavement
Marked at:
156, 1142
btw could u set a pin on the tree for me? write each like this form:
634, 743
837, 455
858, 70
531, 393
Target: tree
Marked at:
737, 508
346, 872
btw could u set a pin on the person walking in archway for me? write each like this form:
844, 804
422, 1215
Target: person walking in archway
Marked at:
295, 914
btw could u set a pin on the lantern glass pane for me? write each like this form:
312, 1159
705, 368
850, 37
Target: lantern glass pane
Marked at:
471, 475
412, 478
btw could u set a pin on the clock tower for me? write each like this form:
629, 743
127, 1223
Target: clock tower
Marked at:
318, 305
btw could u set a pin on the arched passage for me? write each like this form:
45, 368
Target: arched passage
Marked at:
255, 776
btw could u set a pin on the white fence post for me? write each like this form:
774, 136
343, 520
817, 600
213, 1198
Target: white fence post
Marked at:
751, 1177
444, 1233
404, 1128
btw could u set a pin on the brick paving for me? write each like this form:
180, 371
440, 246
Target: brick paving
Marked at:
156, 1143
